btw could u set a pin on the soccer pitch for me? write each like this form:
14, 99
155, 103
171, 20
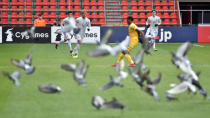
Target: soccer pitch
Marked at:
75, 102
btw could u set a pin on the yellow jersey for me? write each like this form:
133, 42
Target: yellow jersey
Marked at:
132, 32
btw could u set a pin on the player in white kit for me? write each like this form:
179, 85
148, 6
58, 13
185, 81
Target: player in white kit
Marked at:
153, 27
67, 26
82, 23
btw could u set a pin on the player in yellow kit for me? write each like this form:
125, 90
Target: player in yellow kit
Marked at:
134, 34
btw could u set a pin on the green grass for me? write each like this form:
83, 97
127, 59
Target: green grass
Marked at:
75, 101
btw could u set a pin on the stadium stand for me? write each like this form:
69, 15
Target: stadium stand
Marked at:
100, 12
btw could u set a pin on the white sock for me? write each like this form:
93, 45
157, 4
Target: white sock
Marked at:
153, 44
76, 48
69, 44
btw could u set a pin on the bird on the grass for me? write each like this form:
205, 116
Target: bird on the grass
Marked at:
25, 64
100, 103
69, 67
50, 88
113, 82
14, 77
104, 49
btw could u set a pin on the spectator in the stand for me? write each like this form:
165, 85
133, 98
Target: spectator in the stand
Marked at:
39, 22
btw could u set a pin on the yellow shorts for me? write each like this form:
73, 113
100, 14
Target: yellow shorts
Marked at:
133, 44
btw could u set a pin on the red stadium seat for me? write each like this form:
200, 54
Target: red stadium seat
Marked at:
52, 7
77, 8
157, 3
125, 15
171, 3
4, 3
93, 3
88, 15
159, 14
29, 2
136, 21
21, 3
14, 3
172, 8
165, 8
135, 15
77, 14
102, 22
28, 15
46, 21
133, 3
4, 14
93, 15
86, 3
14, 8
101, 8
125, 9
124, 3
29, 21
38, 2
87, 8
69, 2
45, 8
164, 3
21, 15
101, 15
142, 15
174, 22
62, 15
125, 22
69, 7
76, 3
141, 3
21, 7
173, 15
148, 3
14, 15
141, 8
45, 2
134, 8
149, 8
94, 21
52, 21
14, 21
53, 2
143, 22
149, 14
38, 8
62, 8
6, 7
45, 15
93, 8
28, 8
165, 15
21, 21
4, 21
157, 8
100, 3
166, 22
62, 3
52, 15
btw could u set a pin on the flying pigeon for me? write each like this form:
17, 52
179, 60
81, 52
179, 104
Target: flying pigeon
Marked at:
103, 49
21, 64
14, 77
50, 88
112, 82
69, 67
101, 103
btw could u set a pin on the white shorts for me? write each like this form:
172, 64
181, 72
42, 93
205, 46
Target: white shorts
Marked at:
78, 37
67, 35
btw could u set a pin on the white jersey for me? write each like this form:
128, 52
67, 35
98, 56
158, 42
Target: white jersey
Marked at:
68, 24
82, 24
153, 21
